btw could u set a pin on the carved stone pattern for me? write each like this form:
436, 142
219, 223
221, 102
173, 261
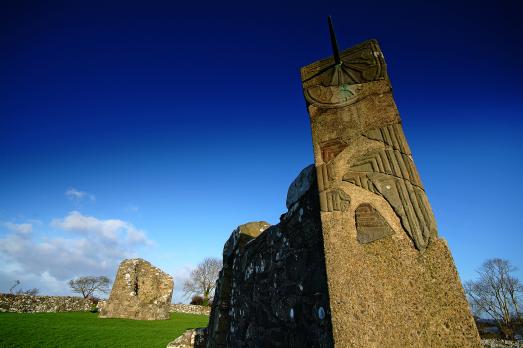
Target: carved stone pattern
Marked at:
392, 174
332, 96
325, 175
389, 162
331, 149
326, 84
391, 135
334, 200
370, 225
330, 200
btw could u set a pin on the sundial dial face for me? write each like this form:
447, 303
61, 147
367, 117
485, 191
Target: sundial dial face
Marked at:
330, 84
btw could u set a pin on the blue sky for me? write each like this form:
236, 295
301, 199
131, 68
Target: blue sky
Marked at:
154, 129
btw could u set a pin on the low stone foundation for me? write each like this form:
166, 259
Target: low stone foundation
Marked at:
43, 304
190, 309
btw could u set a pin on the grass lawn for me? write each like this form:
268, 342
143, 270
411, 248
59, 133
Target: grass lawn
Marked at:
85, 329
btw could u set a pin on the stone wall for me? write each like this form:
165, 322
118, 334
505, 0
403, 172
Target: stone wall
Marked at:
272, 290
190, 309
47, 304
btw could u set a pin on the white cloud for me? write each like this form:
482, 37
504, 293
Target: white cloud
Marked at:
135, 236
89, 246
19, 228
180, 275
111, 230
77, 195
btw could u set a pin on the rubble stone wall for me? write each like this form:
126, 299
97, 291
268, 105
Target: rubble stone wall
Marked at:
46, 304
190, 309
272, 290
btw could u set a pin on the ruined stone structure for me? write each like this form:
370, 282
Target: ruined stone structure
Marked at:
140, 291
272, 290
357, 260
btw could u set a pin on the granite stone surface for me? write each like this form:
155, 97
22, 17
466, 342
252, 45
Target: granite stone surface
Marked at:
391, 279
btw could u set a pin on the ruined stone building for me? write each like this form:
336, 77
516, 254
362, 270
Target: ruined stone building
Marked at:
356, 261
140, 291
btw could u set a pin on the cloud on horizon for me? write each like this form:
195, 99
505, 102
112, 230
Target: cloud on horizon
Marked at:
19, 228
180, 275
85, 245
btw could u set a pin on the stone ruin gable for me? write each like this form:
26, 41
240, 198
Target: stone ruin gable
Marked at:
391, 279
272, 290
140, 291
43, 304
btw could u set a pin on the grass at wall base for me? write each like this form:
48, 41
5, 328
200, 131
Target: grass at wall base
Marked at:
85, 329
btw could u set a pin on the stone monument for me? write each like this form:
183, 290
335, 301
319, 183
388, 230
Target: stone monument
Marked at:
391, 280
140, 291
356, 261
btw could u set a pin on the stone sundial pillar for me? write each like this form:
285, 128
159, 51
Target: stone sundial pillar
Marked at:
392, 281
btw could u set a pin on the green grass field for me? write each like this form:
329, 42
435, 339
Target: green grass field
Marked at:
85, 329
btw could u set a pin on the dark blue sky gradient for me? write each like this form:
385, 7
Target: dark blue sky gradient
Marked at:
193, 112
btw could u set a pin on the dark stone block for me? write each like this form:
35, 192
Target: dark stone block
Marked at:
275, 285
